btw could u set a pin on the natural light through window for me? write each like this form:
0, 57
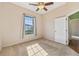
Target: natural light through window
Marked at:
29, 24
36, 50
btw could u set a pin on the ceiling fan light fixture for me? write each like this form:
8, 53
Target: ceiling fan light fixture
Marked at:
40, 7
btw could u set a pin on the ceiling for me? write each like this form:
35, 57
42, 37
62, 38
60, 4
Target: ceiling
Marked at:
33, 8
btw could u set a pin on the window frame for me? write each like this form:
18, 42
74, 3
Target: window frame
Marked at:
34, 25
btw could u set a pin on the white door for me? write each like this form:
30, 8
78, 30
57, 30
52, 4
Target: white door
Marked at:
61, 30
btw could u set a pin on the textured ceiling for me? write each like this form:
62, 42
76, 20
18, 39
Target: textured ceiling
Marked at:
33, 8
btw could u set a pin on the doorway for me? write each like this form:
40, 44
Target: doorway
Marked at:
74, 31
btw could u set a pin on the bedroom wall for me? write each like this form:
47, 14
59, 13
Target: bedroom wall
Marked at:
49, 17
11, 22
74, 23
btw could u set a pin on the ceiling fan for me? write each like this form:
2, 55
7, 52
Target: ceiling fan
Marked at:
41, 5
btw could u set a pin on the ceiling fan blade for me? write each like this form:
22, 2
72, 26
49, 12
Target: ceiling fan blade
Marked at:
37, 9
33, 4
49, 3
45, 9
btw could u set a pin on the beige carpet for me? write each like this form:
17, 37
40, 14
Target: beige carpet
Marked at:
40, 47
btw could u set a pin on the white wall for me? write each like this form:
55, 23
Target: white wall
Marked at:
48, 27
11, 21
74, 27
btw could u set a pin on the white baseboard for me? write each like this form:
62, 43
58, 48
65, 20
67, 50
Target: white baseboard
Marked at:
19, 42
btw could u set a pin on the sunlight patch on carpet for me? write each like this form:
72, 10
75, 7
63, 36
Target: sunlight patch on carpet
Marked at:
36, 50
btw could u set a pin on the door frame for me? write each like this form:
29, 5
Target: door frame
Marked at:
66, 29
68, 19
72, 12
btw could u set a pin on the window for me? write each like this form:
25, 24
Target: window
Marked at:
29, 25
